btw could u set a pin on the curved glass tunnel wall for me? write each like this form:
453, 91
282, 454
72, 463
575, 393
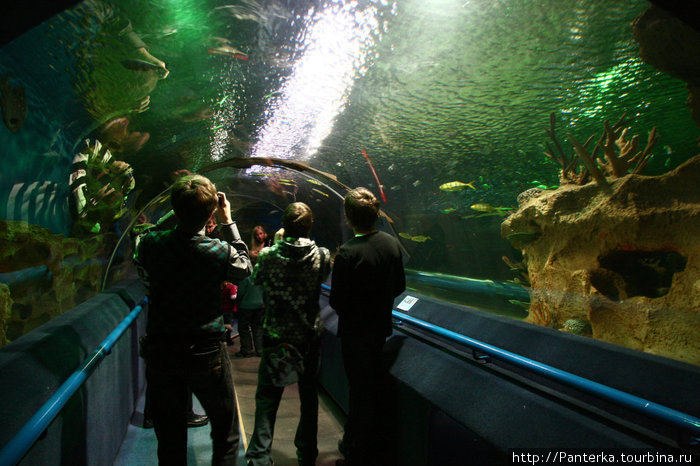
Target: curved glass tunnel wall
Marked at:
443, 108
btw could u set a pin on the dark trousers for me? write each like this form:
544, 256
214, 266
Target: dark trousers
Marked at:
362, 359
204, 368
250, 325
267, 401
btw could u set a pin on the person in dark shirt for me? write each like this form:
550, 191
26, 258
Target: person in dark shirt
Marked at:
367, 275
184, 348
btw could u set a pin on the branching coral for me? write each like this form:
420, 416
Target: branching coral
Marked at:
610, 164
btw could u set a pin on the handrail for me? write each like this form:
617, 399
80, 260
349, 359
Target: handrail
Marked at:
677, 418
20, 444
683, 420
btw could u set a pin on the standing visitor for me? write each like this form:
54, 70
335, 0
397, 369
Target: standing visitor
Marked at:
258, 240
367, 275
291, 273
251, 309
184, 348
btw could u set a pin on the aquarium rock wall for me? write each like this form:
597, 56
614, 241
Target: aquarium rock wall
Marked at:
613, 254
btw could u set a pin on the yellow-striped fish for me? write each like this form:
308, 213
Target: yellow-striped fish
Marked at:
457, 186
320, 192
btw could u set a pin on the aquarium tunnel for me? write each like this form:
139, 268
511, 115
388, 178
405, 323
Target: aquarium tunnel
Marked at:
537, 161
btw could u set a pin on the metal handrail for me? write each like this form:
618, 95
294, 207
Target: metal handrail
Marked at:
669, 415
677, 418
20, 444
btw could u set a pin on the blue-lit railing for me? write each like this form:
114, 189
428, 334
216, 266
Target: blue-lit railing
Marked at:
677, 418
684, 421
16, 448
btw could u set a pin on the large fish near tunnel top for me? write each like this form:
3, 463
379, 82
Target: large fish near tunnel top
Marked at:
14, 104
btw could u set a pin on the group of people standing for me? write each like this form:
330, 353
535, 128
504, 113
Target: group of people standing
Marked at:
183, 270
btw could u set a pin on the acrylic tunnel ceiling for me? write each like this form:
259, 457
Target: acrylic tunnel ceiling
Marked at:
435, 105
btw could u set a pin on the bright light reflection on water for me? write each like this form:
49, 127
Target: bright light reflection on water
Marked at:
336, 44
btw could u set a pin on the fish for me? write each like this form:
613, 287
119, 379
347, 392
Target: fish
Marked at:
319, 192
374, 173
488, 208
523, 304
312, 181
449, 210
456, 186
417, 239
43, 203
141, 65
228, 51
14, 104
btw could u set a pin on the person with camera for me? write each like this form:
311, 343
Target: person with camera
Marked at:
184, 348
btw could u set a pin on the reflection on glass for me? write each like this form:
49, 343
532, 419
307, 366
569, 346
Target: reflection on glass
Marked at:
443, 108
335, 44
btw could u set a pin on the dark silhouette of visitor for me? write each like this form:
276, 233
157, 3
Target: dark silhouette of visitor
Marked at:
367, 275
184, 350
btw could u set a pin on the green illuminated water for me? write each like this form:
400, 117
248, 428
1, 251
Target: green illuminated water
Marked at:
435, 91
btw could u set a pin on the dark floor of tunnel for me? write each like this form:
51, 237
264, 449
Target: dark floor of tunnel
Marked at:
140, 444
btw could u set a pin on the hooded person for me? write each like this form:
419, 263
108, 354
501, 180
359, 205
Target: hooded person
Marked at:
290, 273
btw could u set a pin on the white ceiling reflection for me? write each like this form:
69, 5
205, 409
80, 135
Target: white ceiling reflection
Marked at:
335, 44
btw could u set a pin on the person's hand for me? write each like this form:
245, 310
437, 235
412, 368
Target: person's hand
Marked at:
279, 234
223, 209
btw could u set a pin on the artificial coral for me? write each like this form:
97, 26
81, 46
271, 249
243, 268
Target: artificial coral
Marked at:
611, 164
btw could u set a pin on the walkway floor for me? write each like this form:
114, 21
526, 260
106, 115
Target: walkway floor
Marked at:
139, 445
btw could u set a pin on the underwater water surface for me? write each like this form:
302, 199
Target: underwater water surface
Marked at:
440, 107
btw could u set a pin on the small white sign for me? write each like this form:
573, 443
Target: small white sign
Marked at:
407, 303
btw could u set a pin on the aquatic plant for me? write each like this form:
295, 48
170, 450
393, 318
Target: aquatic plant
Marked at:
620, 155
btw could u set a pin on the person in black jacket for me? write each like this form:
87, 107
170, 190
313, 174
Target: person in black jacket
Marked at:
367, 275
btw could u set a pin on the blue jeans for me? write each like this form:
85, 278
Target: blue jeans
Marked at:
172, 370
267, 401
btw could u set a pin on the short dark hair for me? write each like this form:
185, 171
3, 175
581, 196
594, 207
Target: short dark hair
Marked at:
297, 220
194, 199
361, 209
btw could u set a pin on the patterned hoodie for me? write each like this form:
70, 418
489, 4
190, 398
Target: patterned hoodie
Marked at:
291, 272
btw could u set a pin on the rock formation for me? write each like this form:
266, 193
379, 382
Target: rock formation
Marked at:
44, 275
623, 257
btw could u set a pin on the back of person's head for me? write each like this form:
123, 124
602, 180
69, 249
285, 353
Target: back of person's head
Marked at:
297, 220
361, 209
194, 199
